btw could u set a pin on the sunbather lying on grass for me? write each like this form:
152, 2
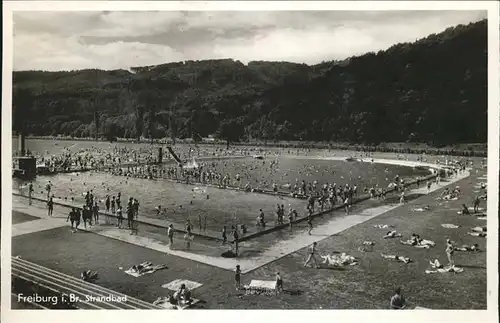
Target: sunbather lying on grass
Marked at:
89, 276
449, 269
422, 209
367, 246
465, 247
435, 263
392, 234
406, 260
146, 267
417, 242
477, 234
339, 260
464, 211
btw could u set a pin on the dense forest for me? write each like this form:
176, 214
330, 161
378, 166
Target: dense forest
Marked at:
433, 90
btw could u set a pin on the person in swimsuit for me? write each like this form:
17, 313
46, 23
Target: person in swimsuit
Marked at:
95, 211
108, 203
279, 283
119, 215
449, 251
309, 224
30, 192
311, 255
224, 235
170, 235
398, 301
72, 218
237, 277
50, 205
476, 204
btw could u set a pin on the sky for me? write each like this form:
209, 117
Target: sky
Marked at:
119, 40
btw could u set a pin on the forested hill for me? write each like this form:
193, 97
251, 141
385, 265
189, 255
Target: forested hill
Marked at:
433, 90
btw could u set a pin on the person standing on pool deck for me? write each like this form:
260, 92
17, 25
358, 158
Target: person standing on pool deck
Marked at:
237, 277
309, 223
72, 218
119, 215
113, 205
136, 208
50, 205
429, 184
188, 235
48, 187
108, 203
130, 217
170, 235
224, 235
236, 241
311, 252
30, 192
95, 211
77, 216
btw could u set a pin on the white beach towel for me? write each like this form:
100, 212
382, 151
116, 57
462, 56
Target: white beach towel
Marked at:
383, 226
176, 284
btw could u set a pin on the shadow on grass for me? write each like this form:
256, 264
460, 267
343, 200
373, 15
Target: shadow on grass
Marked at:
293, 292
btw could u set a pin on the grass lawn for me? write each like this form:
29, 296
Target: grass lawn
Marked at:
60, 250
371, 284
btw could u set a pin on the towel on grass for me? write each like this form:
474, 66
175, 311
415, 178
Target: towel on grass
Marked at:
144, 268
383, 226
176, 284
449, 226
261, 287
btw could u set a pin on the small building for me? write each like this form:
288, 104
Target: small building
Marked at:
24, 167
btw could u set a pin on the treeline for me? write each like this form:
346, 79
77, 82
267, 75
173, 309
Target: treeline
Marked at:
432, 91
